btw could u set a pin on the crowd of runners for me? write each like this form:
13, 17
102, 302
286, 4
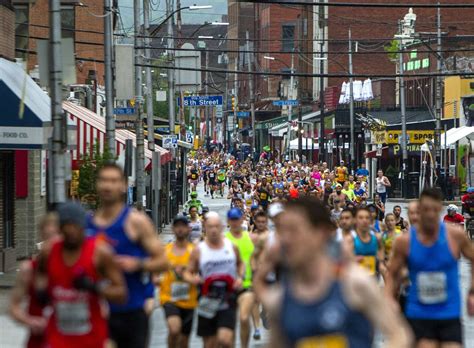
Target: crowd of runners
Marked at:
305, 251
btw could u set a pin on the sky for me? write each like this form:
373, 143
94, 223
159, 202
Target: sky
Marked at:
219, 7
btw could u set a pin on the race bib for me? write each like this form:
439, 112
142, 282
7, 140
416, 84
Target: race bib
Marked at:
329, 341
208, 307
73, 318
179, 291
248, 202
263, 196
432, 287
368, 262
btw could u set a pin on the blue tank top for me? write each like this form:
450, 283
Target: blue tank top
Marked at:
328, 322
136, 282
434, 276
365, 249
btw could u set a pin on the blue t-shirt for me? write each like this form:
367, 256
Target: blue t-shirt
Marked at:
362, 171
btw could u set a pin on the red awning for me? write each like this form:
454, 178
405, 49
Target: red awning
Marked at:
373, 153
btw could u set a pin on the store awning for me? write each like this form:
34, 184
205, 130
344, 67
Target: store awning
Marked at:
28, 127
91, 133
454, 135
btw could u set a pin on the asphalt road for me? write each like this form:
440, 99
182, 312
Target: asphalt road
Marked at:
13, 335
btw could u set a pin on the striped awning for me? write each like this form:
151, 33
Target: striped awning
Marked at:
91, 133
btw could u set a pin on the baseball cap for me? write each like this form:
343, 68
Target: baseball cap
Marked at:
72, 213
180, 218
234, 214
274, 209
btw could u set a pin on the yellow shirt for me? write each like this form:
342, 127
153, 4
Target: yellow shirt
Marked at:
341, 174
172, 289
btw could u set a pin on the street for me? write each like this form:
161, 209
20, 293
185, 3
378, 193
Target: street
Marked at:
13, 335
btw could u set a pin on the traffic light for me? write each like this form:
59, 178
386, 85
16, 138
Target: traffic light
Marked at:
190, 128
234, 103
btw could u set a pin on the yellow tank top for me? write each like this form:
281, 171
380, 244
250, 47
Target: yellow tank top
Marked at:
341, 173
172, 288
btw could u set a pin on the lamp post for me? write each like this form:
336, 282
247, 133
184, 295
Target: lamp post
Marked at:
290, 92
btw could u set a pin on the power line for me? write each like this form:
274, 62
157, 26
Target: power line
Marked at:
361, 4
296, 74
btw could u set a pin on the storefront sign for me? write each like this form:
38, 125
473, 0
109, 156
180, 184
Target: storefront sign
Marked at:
394, 136
22, 136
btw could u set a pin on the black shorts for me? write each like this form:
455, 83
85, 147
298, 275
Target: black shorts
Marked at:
186, 316
129, 329
446, 330
223, 319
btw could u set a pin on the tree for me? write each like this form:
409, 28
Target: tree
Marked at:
88, 170
392, 50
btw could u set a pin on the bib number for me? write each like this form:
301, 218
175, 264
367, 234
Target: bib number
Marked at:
73, 318
432, 287
329, 341
368, 262
179, 291
208, 307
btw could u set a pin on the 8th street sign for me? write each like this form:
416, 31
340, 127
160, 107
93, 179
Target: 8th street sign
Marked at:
197, 100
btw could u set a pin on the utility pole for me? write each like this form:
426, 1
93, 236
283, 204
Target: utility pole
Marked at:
59, 121
290, 107
170, 54
109, 77
439, 97
403, 115
322, 26
236, 95
251, 91
206, 88
148, 77
351, 107
140, 150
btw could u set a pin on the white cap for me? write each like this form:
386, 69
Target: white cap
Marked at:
275, 209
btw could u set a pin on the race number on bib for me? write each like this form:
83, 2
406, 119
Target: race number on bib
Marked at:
179, 291
432, 287
208, 307
329, 341
73, 318
368, 262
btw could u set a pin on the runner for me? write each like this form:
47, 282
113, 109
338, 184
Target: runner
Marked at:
413, 212
139, 251
215, 265
196, 225
453, 216
368, 247
32, 316
212, 181
381, 184
264, 193
221, 178
194, 178
341, 173
400, 223
178, 297
245, 245
431, 251
320, 304
80, 272
193, 202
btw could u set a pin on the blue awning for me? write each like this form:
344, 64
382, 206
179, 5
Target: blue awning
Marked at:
31, 128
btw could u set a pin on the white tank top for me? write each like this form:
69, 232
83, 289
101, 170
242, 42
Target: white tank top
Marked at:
217, 261
380, 186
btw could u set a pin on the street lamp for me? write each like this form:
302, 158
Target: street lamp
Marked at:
290, 92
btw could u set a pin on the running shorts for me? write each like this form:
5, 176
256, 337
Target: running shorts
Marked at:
224, 319
446, 330
186, 316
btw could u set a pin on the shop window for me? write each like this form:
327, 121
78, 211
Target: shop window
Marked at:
68, 22
21, 31
288, 37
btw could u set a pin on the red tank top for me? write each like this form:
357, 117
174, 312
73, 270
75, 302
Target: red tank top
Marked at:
77, 320
35, 309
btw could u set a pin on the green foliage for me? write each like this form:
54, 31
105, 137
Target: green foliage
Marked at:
88, 170
392, 48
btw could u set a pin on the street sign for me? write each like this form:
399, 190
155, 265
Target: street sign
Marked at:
124, 124
162, 129
201, 100
292, 102
218, 120
170, 141
189, 137
124, 111
219, 112
243, 114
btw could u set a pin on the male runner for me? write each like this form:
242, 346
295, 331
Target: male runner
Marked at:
139, 252
400, 223
368, 247
345, 232
431, 251
341, 173
32, 315
245, 244
80, 273
215, 264
178, 297
413, 212
321, 302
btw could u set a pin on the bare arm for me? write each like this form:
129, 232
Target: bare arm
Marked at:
114, 290
396, 264
386, 182
366, 296
191, 273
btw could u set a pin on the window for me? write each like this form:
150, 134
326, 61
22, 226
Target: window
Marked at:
21, 31
288, 36
68, 22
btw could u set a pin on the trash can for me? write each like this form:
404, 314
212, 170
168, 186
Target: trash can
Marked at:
413, 185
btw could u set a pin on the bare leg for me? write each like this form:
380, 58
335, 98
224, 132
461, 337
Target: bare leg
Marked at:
246, 303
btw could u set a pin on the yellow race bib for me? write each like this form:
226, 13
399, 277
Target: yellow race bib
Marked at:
368, 262
328, 341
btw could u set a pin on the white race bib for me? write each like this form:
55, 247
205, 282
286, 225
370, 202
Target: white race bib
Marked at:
179, 291
73, 318
432, 287
208, 307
